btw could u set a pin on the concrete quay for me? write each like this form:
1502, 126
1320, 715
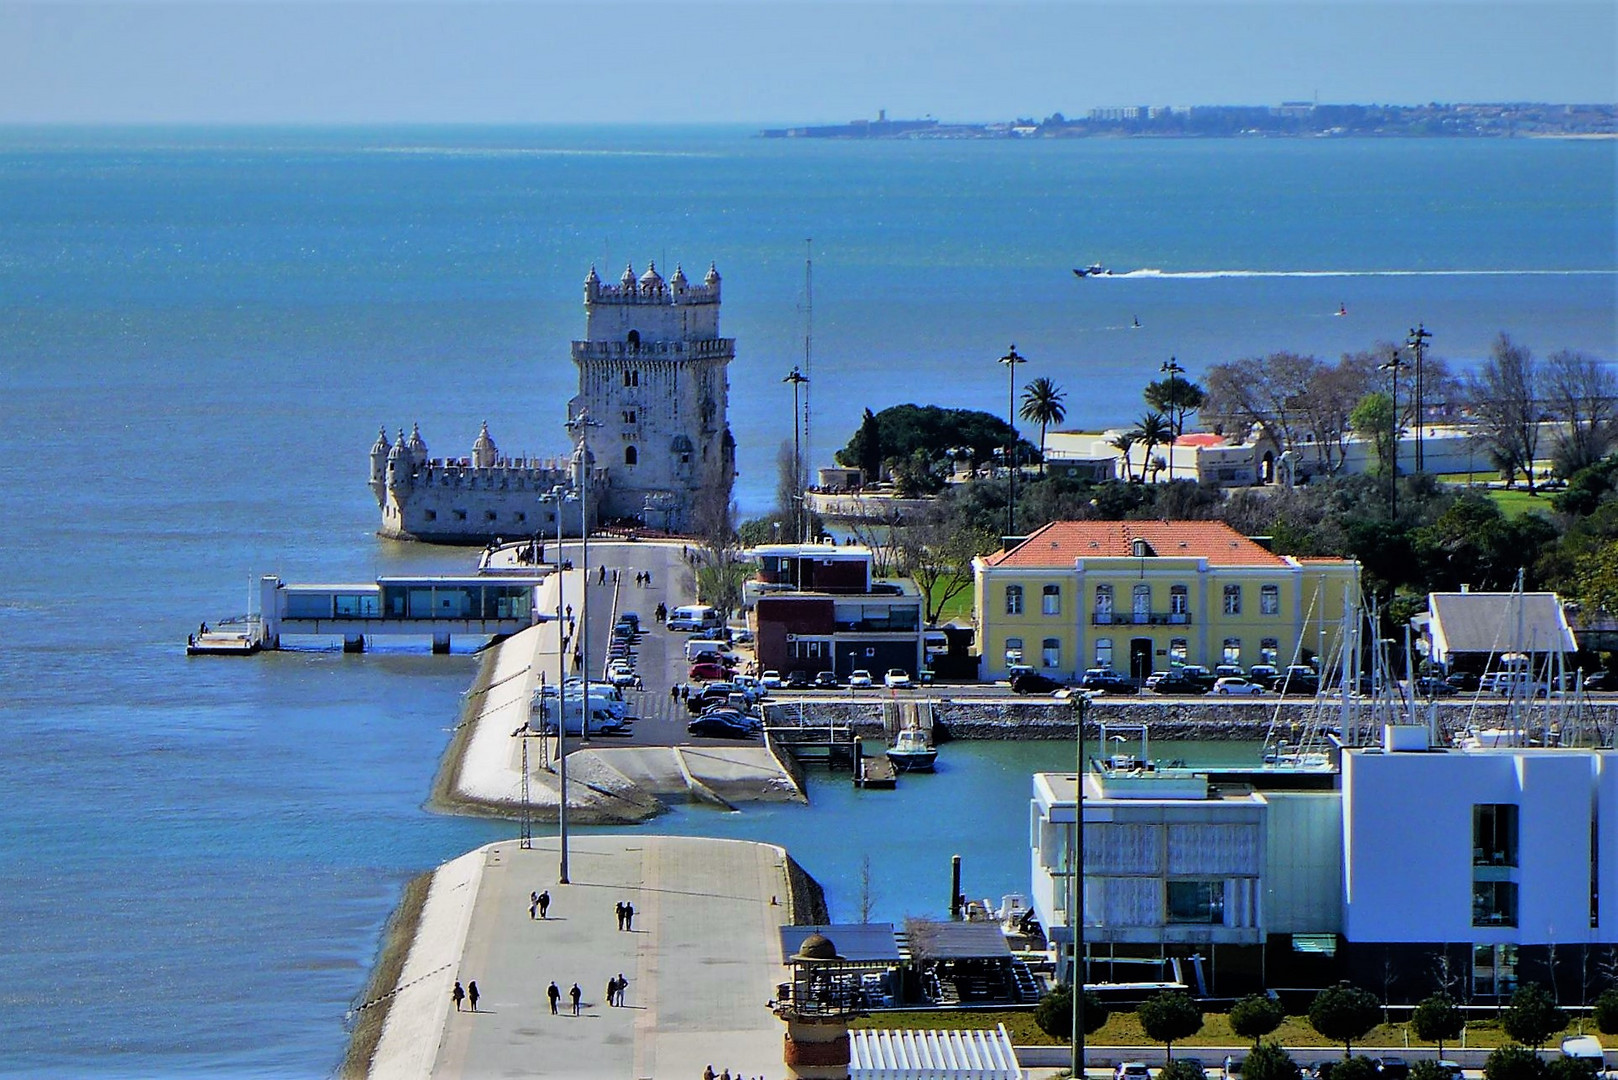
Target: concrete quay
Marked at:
702, 961
619, 778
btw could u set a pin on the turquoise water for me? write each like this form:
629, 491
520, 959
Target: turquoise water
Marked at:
200, 330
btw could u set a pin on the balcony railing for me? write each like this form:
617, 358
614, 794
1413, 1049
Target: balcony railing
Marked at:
1141, 618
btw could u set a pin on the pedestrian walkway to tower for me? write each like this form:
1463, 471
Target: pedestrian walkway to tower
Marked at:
702, 958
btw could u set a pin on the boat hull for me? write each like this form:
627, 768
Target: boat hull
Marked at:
913, 760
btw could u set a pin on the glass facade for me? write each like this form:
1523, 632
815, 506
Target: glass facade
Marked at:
1195, 901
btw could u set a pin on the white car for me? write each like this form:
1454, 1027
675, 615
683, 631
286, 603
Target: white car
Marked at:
1235, 684
770, 680
860, 677
897, 678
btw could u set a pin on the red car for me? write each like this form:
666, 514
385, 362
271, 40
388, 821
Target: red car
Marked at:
709, 671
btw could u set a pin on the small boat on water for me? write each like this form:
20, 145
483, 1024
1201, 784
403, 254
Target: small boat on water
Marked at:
911, 751
1093, 270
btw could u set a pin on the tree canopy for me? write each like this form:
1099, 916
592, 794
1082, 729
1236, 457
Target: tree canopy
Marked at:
1255, 1016
903, 430
1344, 1013
1533, 1017
1437, 1019
1169, 1017
1268, 1061
1054, 1013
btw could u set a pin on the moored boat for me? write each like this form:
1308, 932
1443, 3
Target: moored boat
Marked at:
911, 751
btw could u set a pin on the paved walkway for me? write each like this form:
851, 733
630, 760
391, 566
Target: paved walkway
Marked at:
702, 961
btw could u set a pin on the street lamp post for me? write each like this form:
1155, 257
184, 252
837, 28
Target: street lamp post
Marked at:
1417, 341
1173, 368
1394, 365
797, 379
1075, 893
1011, 360
580, 425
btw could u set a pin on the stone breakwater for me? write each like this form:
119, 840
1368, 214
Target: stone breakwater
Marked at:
1204, 719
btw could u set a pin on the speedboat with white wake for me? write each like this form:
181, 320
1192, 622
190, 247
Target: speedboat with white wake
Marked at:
1093, 270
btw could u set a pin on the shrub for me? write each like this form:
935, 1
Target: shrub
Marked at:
1269, 1062
1427, 1069
1437, 1020
1513, 1063
1358, 1067
1533, 1017
1169, 1017
1606, 1012
1054, 1013
1343, 1013
1256, 1016
1180, 1070
1568, 1068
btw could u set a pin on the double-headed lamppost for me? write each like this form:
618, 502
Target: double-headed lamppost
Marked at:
1011, 360
1172, 366
1417, 341
797, 379
1394, 365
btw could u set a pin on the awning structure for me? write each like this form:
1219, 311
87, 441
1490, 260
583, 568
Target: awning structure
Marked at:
902, 1054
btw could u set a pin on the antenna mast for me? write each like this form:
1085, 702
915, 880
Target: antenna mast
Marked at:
808, 349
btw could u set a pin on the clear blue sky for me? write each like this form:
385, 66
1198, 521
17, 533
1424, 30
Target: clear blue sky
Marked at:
755, 62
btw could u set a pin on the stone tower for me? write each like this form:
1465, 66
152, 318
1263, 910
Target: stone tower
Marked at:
653, 373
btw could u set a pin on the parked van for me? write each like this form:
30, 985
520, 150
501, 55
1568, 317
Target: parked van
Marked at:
605, 713
694, 617
698, 645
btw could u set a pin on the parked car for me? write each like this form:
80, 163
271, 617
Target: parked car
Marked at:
1427, 686
1464, 681
632, 618
721, 724
1451, 1069
1195, 1063
1198, 674
1392, 1068
713, 658
797, 680
1237, 685
1013, 670
1298, 679
1600, 681
860, 677
742, 637
1131, 1070
1322, 1070
1174, 685
707, 672
826, 680
1264, 674
1229, 671
1109, 681
771, 679
1034, 683
897, 678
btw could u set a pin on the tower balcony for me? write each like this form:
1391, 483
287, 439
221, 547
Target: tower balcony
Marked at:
708, 349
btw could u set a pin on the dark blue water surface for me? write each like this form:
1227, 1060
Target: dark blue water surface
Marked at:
200, 331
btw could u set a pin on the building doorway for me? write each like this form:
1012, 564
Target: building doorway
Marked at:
1140, 658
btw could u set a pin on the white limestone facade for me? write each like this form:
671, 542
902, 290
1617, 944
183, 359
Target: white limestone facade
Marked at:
654, 374
654, 390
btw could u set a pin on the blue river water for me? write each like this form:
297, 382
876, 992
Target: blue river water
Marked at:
200, 331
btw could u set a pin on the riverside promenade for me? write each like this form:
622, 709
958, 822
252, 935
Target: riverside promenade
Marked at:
702, 961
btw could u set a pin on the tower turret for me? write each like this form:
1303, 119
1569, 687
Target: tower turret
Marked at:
417, 447
484, 452
592, 285
379, 465
399, 464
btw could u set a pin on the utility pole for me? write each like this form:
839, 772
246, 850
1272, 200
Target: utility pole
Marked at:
581, 426
1176, 417
800, 519
1011, 360
808, 342
1394, 365
1418, 339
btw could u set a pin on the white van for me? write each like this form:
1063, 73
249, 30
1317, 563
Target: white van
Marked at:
606, 710
693, 617
697, 646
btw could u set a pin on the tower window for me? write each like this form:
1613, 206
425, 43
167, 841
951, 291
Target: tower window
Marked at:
629, 416
631, 378
631, 456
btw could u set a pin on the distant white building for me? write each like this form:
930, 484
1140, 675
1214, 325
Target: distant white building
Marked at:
1405, 869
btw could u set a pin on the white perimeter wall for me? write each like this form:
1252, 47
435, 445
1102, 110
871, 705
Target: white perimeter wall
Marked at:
1407, 837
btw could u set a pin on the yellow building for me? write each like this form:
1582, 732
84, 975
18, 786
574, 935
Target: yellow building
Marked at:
1145, 596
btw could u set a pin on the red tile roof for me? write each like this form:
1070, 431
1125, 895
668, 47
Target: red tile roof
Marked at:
1060, 542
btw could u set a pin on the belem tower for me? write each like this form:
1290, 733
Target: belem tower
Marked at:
649, 423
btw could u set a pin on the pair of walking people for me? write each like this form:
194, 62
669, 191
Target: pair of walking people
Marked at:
554, 993
539, 903
626, 915
470, 993
616, 988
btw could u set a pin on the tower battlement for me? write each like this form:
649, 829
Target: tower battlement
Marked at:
651, 288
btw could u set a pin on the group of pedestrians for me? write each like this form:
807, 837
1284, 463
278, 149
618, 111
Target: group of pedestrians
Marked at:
643, 579
626, 915
539, 903
709, 1074
470, 993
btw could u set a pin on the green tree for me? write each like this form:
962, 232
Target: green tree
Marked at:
1533, 1017
1042, 405
1606, 1012
1152, 432
1570, 1068
1358, 1067
1175, 398
866, 448
1054, 1013
1181, 1070
1169, 1017
1373, 418
1255, 1016
1268, 1061
1343, 1013
1513, 1063
899, 431
1124, 442
1437, 1020
1428, 1069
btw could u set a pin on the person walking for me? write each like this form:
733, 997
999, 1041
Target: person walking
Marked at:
612, 991
629, 915
575, 994
619, 908
555, 994
544, 900
472, 994
533, 908
709, 1074
623, 984
457, 995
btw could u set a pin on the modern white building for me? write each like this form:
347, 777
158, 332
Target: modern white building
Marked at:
1474, 869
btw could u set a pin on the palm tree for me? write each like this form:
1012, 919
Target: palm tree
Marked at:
1124, 443
1042, 405
1154, 431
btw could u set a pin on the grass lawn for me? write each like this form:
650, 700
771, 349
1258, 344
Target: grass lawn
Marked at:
1123, 1029
959, 607
1517, 502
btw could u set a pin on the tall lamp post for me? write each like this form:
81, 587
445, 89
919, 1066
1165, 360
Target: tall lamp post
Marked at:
1417, 341
1172, 366
558, 497
1394, 365
797, 379
1011, 360
580, 425
1075, 893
